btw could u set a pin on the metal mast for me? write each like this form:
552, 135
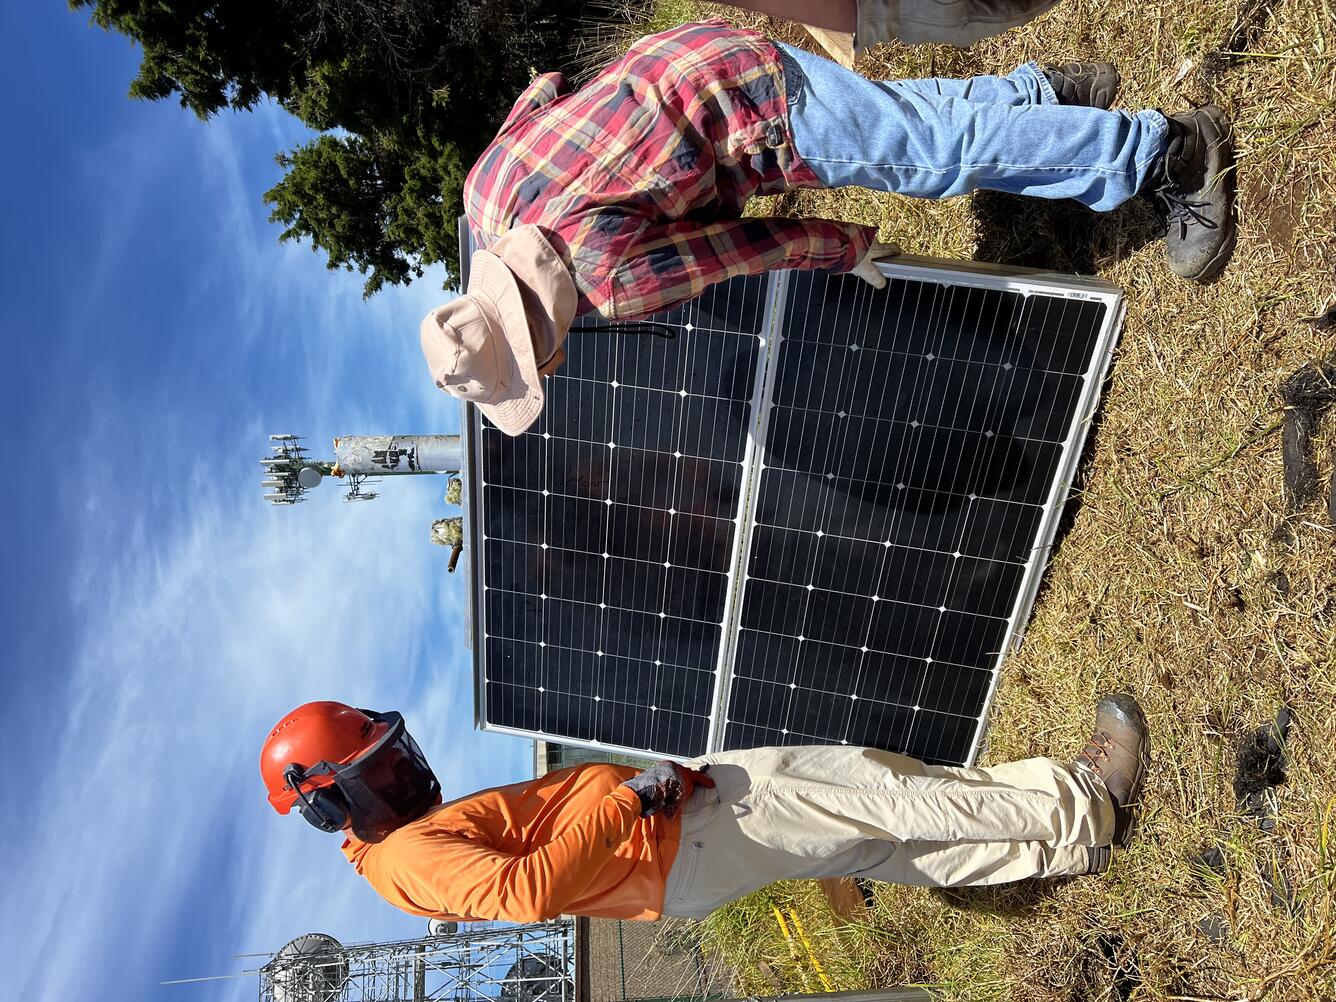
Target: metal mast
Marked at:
289, 472
523, 963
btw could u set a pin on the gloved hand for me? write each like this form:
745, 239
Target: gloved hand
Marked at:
866, 269
666, 786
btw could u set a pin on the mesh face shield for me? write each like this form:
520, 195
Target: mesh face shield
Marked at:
388, 785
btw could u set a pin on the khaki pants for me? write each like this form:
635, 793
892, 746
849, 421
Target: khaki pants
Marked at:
837, 811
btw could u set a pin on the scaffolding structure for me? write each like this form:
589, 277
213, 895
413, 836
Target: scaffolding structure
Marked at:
521, 963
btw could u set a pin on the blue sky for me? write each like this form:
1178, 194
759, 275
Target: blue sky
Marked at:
158, 615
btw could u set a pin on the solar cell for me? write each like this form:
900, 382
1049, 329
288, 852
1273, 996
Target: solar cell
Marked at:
819, 514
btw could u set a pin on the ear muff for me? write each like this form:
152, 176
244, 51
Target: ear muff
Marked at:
325, 808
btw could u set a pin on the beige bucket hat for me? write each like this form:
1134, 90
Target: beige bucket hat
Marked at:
493, 345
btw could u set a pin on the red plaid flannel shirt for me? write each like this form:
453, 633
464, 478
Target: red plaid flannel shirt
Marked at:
642, 174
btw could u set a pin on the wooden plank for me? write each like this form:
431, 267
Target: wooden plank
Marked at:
838, 44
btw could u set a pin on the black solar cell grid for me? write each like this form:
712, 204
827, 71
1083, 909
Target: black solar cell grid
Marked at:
911, 447
609, 531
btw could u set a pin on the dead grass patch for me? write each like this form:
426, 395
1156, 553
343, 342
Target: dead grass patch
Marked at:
1184, 577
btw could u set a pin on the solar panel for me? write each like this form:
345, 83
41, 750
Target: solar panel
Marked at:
913, 440
817, 515
609, 531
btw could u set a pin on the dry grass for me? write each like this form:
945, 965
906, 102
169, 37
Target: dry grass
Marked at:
1182, 578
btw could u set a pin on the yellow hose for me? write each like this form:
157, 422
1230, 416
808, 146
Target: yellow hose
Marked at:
811, 954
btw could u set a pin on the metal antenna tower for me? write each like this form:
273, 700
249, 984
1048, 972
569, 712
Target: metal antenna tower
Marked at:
522, 963
289, 471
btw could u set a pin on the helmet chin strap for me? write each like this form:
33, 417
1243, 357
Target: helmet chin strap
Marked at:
651, 327
554, 362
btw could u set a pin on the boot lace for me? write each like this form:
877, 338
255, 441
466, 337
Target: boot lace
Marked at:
1178, 208
1096, 752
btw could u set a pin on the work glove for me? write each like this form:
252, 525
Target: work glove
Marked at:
666, 786
866, 269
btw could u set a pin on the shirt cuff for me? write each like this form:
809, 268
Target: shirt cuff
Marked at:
861, 238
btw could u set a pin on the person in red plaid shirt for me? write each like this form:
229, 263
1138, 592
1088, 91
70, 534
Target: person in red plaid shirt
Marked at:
626, 196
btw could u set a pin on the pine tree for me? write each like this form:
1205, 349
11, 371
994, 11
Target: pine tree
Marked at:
406, 93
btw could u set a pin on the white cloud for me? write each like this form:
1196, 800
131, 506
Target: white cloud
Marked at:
197, 649
202, 615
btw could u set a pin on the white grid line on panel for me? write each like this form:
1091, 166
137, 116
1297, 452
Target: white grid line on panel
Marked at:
864, 650
927, 549
619, 504
883, 562
914, 708
558, 378
581, 650
674, 472
885, 557
605, 700
863, 301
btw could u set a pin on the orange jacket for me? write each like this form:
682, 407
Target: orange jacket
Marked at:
570, 842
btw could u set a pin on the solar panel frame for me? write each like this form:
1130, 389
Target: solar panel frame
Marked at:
953, 273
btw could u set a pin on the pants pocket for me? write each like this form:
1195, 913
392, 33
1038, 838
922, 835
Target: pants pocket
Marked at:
684, 872
794, 78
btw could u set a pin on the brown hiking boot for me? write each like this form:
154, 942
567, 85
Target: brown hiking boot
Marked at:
1117, 752
1093, 85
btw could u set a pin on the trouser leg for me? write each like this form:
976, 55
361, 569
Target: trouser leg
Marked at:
975, 864
913, 141
1025, 85
780, 813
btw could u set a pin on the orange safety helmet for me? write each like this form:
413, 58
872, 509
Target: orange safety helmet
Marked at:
323, 731
347, 768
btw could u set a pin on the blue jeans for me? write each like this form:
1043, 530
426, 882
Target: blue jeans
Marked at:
935, 138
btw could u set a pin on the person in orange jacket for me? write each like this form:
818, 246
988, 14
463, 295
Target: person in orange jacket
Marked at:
609, 841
